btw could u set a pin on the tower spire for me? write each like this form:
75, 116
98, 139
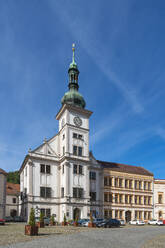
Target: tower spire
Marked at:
73, 56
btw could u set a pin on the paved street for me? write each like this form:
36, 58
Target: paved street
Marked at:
130, 237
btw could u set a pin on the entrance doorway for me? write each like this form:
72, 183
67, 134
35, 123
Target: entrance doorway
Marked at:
127, 216
13, 212
76, 213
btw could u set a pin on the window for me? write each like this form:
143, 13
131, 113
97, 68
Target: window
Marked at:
120, 182
126, 183
14, 200
106, 197
63, 136
160, 214
140, 184
110, 197
116, 182
74, 150
145, 185
45, 168
92, 175
135, 184
46, 212
130, 184
62, 192
75, 169
48, 169
110, 181
160, 198
135, 199
116, 214
130, 199
63, 168
120, 198
45, 192
77, 192
126, 199
105, 214
42, 168
80, 136
105, 181
80, 169
145, 200
63, 150
75, 135
149, 186
79, 151
116, 198
121, 214
93, 196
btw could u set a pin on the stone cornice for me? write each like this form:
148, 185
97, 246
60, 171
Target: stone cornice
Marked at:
74, 109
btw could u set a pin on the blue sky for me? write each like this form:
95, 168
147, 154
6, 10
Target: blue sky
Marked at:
120, 52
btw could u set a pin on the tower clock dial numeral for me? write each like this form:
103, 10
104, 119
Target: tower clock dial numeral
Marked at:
77, 121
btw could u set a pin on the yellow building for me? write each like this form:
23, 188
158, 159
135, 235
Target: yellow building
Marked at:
128, 192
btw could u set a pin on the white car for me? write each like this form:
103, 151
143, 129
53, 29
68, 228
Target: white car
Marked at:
155, 222
137, 222
85, 223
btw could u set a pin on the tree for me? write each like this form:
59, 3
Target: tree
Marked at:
32, 218
13, 177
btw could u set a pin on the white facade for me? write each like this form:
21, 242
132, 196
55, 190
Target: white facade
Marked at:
159, 199
2, 193
54, 177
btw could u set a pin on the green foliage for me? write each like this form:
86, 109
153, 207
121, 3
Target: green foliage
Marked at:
13, 177
32, 218
52, 219
64, 219
41, 217
91, 218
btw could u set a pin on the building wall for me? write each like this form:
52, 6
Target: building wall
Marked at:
10, 205
123, 200
2, 195
159, 199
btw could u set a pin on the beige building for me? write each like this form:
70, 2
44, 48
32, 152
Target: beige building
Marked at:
128, 192
2, 193
12, 199
159, 199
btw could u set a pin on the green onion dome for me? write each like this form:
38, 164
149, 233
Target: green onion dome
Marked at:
73, 97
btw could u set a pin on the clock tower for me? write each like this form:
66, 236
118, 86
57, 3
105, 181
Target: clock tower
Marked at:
74, 148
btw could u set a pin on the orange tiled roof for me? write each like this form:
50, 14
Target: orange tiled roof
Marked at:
3, 172
125, 168
12, 189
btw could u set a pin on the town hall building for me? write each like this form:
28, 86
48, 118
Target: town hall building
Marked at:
62, 177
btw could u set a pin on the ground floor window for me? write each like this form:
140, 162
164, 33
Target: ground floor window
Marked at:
46, 212
107, 213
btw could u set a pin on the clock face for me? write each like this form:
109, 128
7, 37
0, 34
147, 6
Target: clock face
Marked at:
77, 121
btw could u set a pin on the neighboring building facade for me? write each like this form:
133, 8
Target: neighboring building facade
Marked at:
2, 193
159, 199
128, 192
12, 199
62, 177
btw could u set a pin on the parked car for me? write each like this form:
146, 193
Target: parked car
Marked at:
137, 222
122, 222
152, 222
2, 222
81, 221
8, 219
160, 223
17, 219
98, 220
110, 223
46, 220
85, 223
